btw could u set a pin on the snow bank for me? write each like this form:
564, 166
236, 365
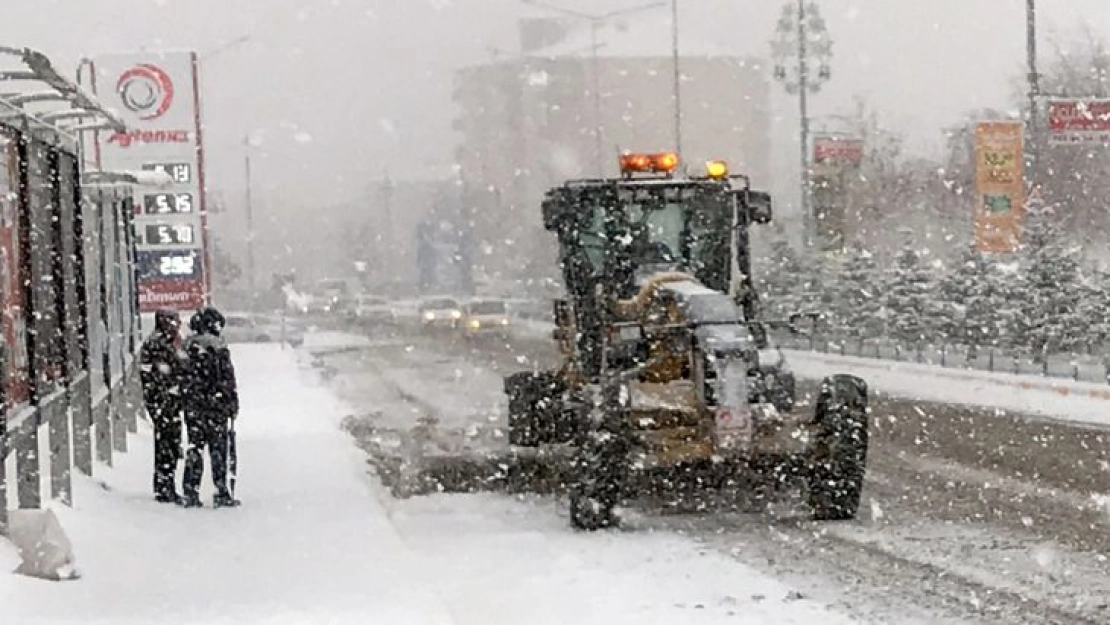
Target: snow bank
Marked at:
1082, 402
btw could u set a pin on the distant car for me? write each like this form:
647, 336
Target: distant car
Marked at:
258, 328
440, 311
486, 316
372, 309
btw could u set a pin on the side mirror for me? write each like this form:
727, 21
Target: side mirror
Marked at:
759, 334
563, 319
552, 210
759, 207
562, 313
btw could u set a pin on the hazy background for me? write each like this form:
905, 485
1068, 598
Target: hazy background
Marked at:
337, 91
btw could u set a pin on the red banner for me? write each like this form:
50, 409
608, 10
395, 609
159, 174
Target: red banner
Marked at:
1079, 121
13, 322
834, 150
176, 295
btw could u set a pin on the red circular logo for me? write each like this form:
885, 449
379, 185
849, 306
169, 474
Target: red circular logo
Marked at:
147, 90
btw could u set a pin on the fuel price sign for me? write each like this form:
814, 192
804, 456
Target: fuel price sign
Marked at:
168, 203
170, 234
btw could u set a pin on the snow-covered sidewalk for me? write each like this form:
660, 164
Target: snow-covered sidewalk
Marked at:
317, 541
311, 543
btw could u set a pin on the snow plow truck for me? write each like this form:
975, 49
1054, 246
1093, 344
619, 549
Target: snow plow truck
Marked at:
665, 371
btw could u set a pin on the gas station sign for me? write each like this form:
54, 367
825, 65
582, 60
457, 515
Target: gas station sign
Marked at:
156, 94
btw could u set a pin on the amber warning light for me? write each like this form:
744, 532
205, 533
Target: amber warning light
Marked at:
664, 163
716, 170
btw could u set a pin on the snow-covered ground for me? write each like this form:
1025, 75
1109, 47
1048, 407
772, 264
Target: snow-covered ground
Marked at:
1081, 402
318, 541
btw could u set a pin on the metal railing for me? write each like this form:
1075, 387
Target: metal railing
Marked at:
1078, 367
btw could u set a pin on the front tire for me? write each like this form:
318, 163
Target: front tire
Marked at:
839, 455
601, 466
535, 404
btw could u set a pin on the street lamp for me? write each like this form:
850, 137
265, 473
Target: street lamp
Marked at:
224, 47
677, 78
596, 20
801, 35
249, 204
204, 59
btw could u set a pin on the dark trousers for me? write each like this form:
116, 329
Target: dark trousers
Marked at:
167, 447
206, 431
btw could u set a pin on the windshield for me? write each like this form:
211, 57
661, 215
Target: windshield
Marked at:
683, 228
439, 304
487, 308
332, 287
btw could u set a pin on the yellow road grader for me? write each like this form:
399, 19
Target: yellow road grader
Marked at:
665, 368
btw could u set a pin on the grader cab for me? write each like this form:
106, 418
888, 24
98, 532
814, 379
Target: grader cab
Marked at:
665, 368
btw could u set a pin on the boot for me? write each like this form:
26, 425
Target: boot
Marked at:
167, 498
191, 501
225, 500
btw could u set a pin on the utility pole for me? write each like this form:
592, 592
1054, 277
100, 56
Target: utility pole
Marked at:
1032, 127
249, 205
801, 35
803, 111
677, 78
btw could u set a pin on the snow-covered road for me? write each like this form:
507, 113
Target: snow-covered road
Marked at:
319, 541
971, 514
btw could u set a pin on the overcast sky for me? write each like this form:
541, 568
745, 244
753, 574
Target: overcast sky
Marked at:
339, 90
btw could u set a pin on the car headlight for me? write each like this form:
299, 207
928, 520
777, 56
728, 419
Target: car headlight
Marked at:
456, 314
475, 324
505, 322
429, 316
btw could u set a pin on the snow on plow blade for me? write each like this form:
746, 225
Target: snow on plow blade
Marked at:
426, 460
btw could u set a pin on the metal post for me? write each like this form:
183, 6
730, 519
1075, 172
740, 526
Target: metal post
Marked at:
1031, 53
803, 110
1032, 129
677, 78
594, 24
250, 214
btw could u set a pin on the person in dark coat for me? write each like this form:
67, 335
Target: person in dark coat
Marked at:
160, 367
211, 401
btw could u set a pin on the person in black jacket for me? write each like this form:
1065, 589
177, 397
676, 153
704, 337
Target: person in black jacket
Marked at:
160, 372
211, 401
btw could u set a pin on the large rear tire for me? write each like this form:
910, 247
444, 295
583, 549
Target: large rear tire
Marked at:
839, 456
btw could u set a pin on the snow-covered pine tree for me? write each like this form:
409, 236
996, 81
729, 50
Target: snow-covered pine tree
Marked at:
910, 301
972, 302
1050, 321
783, 281
856, 295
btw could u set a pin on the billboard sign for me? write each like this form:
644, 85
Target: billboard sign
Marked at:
1079, 121
1000, 186
156, 94
837, 150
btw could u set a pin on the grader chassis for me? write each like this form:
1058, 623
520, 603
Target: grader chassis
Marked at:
665, 373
